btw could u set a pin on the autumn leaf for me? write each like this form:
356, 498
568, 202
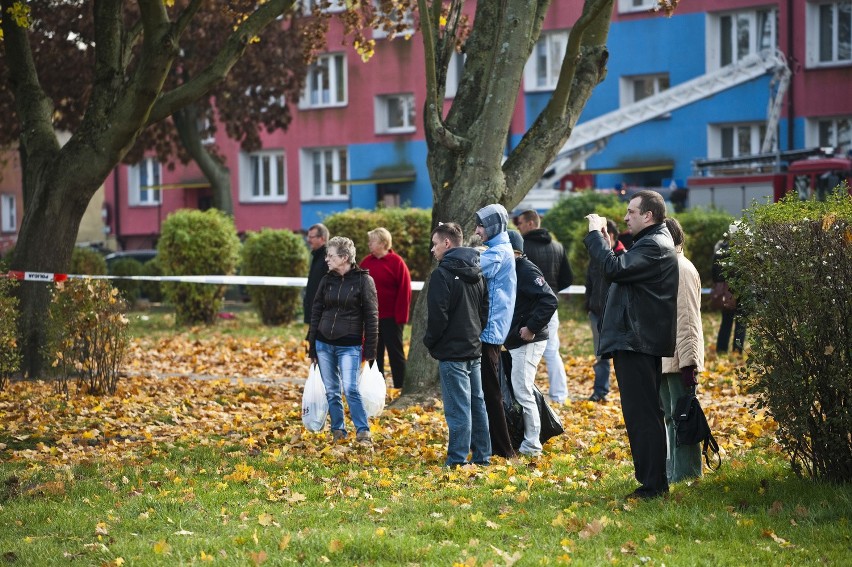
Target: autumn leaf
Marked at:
162, 548
265, 519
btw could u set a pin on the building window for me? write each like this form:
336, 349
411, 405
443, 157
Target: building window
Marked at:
635, 88
542, 70
144, 182
400, 22
395, 113
325, 84
454, 74
9, 211
829, 29
830, 133
263, 177
324, 6
321, 169
736, 140
636, 5
733, 36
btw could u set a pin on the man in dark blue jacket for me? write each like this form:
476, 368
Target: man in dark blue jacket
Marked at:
457, 302
535, 304
638, 328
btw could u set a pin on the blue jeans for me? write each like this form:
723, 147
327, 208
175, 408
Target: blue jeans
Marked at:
336, 363
601, 366
464, 410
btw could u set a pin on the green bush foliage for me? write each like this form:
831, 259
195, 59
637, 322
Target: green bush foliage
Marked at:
151, 290
193, 242
88, 262
129, 289
562, 220
10, 356
274, 253
87, 335
578, 256
702, 229
791, 264
410, 229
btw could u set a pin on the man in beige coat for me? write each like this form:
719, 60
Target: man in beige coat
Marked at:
680, 372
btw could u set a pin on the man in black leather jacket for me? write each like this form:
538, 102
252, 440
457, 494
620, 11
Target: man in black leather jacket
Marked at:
638, 328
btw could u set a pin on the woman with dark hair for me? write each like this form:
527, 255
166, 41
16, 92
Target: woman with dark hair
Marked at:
344, 330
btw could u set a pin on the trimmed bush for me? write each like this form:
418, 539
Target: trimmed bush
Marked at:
563, 219
409, 228
274, 253
86, 261
87, 335
791, 263
197, 243
10, 356
129, 289
151, 290
702, 229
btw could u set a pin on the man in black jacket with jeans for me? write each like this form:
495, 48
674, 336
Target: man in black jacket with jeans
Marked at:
457, 300
638, 328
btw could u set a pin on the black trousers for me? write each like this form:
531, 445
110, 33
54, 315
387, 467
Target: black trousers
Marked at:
639, 378
501, 443
390, 339
731, 318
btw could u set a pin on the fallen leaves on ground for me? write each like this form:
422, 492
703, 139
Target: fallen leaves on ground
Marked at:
153, 408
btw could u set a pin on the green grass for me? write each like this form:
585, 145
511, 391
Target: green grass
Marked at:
357, 509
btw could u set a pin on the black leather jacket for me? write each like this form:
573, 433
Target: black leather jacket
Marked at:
346, 306
640, 314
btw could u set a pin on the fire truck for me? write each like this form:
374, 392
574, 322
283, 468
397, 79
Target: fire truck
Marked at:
733, 184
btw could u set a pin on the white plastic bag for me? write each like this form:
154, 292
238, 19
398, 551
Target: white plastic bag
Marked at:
371, 386
314, 402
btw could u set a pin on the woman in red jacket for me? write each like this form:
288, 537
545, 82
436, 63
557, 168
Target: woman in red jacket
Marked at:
393, 286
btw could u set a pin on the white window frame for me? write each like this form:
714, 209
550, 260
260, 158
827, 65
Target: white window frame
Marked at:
263, 177
335, 6
330, 67
455, 69
404, 105
407, 20
541, 72
754, 132
752, 19
627, 86
138, 193
320, 168
813, 41
9, 213
628, 6
814, 136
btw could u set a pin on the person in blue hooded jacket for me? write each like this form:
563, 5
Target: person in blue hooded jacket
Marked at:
498, 268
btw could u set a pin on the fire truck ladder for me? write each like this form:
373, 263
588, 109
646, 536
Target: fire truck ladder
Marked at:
593, 134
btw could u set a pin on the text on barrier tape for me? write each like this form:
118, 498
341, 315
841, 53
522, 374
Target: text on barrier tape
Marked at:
36, 276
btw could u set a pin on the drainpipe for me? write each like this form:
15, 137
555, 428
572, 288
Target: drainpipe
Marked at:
791, 114
116, 206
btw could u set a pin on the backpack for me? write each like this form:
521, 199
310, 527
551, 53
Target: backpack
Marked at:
691, 428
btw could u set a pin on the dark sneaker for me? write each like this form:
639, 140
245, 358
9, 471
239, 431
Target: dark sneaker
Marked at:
644, 494
363, 437
597, 398
337, 436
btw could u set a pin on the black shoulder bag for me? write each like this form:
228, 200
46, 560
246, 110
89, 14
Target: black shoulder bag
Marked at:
691, 428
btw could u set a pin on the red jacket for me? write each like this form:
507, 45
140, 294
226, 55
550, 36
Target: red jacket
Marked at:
393, 285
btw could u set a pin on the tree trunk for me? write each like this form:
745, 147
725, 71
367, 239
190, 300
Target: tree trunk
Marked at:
45, 243
219, 176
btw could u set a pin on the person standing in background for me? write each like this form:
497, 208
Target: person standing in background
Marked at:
680, 372
596, 288
498, 267
317, 237
731, 316
535, 304
551, 259
393, 285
